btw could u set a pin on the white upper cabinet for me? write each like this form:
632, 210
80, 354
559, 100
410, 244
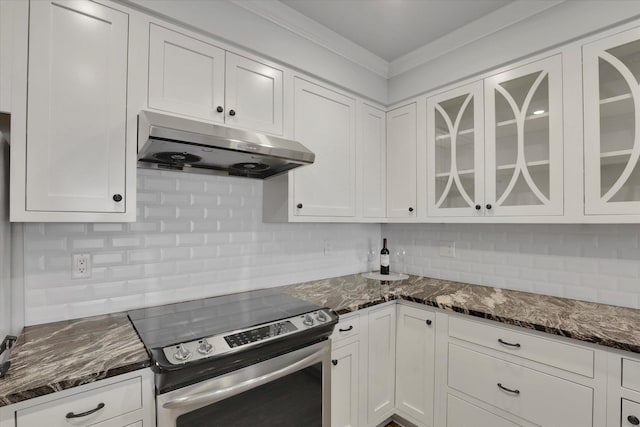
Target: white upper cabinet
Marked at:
194, 78
324, 122
402, 162
372, 155
524, 140
76, 109
254, 95
455, 152
611, 70
186, 75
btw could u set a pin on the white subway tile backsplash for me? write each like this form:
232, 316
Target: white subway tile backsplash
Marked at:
196, 236
588, 262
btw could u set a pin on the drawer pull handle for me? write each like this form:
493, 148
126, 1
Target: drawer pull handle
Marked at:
508, 390
84, 414
334, 362
347, 329
633, 420
516, 345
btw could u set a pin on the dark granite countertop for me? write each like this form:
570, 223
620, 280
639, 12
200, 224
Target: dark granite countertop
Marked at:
607, 325
57, 356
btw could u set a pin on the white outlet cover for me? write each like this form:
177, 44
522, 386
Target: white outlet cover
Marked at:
447, 249
80, 266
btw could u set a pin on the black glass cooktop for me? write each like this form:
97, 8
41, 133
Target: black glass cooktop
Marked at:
186, 321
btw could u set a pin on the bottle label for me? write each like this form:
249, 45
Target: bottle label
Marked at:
384, 260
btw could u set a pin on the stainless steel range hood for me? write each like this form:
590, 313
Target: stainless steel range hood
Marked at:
177, 143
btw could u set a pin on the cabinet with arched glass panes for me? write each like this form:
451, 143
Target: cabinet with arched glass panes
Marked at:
495, 147
611, 72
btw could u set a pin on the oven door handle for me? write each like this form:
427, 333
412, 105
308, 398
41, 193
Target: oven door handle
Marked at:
215, 394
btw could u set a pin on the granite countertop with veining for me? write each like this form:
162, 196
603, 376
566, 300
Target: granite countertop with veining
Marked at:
57, 356
607, 325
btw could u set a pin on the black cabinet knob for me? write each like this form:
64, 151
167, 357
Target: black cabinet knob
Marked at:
232, 113
488, 206
299, 206
478, 207
429, 322
219, 109
410, 209
334, 362
117, 198
633, 420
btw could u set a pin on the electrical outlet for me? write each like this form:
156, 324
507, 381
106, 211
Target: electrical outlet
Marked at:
80, 266
328, 248
447, 249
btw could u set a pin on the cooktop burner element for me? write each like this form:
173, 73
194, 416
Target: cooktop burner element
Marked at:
206, 337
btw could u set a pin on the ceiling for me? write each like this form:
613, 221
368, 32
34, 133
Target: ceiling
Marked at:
393, 28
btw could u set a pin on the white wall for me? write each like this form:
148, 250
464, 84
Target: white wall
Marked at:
598, 263
5, 242
552, 27
196, 236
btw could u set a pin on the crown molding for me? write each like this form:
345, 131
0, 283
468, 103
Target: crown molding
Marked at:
292, 20
489, 24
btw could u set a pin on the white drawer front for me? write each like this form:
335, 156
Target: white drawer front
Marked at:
553, 353
631, 374
118, 399
346, 328
630, 413
463, 414
542, 399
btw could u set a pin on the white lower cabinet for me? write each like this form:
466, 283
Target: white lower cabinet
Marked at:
415, 364
461, 413
122, 401
345, 384
543, 399
430, 368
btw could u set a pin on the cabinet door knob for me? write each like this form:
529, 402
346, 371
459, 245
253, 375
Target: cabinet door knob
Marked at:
299, 206
478, 207
488, 206
232, 112
410, 209
429, 322
334, 362
117, 198
219, 109
633, 420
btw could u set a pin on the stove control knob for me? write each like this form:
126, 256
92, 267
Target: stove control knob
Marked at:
322, 317
182, 353
308, 320
205, 347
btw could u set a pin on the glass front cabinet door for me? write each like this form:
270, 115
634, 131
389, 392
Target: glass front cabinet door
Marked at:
523, 140
611, 71
455, 152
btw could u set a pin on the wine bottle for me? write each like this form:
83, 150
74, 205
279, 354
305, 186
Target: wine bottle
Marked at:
384, 258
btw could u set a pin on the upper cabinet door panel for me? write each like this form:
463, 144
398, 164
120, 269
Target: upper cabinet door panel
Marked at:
254, 95
76, 107
372, 156
186, 76
324, 121
611, 69
401, 162
455, 152
524, 140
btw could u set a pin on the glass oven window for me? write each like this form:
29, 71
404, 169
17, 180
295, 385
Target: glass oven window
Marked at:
292, 401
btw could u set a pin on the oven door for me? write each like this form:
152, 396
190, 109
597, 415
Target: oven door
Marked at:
290, 390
